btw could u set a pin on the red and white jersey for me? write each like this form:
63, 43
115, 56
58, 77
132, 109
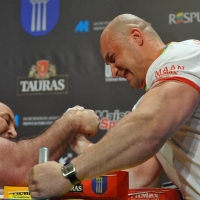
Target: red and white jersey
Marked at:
180, 155
180, 61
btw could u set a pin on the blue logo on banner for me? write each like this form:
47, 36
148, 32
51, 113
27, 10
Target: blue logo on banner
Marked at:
39, 17
99, 184
17, 119
83, 26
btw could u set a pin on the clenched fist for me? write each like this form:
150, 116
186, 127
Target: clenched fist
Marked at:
85, 120
46, 181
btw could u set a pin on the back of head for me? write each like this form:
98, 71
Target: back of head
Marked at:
121, 25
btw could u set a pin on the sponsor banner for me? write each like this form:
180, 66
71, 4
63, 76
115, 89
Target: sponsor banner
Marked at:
184, 17
99, 184
77, 188
17, 119
38, 120
108, 118
100, 25
15, 192
52, 34
53, 85
39, 17
154, 194
42, 79
84, 26
110, 186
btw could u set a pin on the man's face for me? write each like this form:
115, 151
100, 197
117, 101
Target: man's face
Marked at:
7, 122
124, 57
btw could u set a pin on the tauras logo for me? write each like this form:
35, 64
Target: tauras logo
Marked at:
77, 188
42, 79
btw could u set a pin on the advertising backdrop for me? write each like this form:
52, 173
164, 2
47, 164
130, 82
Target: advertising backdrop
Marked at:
50, 58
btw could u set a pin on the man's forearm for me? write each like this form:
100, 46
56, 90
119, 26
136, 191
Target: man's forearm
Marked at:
18, 158
23, 155
126, 145
140, 134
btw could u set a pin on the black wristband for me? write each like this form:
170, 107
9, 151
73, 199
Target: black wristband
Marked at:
69, 172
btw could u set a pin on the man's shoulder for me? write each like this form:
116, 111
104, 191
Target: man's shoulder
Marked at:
180, 61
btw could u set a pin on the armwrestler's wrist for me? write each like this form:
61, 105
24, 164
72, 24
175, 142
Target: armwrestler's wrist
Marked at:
69, 172
65, 182
79, 168
71, 120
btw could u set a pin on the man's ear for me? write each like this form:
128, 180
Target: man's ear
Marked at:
137, 36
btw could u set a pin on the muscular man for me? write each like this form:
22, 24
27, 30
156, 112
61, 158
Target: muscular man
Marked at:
164, 127
17, 158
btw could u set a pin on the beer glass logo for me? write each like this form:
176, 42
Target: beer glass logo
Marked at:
99, 184
39, 17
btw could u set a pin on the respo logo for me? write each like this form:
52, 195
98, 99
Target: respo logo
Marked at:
181, 17
39, 17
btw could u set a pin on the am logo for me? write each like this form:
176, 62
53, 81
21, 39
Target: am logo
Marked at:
82, 26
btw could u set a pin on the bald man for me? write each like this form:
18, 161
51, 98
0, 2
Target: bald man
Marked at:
18, 157
162, 131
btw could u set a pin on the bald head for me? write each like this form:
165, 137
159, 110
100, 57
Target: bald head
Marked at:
121, 25
130, 45
2, 105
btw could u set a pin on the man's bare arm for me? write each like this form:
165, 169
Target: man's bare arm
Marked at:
139, 135
17, 158
133, 140
147, 174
